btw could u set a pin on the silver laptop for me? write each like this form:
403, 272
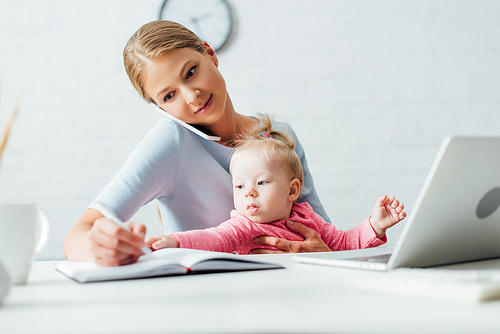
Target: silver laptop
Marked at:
456, 217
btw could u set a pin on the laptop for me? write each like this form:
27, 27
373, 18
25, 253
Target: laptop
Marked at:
455, 219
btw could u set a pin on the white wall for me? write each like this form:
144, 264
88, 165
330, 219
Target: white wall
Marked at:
371, 87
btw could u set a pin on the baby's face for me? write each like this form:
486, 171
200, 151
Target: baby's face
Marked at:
261, 188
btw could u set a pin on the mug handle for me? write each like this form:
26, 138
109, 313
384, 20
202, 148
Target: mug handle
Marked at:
44, 231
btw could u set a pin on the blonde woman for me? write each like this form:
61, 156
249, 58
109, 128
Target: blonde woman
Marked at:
189, 176
267, 180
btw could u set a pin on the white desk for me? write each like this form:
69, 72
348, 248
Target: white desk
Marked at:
302, 298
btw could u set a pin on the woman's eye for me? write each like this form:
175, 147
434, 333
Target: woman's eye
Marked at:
168, 97
191, 72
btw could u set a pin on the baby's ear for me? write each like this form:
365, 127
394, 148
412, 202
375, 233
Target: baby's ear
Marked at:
294, 190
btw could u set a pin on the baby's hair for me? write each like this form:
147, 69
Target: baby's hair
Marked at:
152, 41
274, 144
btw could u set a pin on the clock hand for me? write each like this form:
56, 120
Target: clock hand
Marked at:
196, 19
198, 30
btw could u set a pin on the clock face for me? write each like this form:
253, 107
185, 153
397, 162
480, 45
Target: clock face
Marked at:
209, 19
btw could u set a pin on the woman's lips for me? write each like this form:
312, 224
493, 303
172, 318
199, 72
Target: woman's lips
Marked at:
204, 108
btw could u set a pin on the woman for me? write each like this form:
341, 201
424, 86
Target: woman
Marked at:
188, 175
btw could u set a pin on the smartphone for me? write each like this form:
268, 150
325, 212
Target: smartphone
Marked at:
187, 126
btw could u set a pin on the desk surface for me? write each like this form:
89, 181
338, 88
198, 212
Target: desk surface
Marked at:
300, 299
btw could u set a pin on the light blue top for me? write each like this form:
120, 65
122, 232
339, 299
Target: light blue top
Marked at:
188, 175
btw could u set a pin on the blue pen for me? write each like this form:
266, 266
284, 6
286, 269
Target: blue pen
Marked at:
108, 213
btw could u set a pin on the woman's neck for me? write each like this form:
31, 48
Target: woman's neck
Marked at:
231, 125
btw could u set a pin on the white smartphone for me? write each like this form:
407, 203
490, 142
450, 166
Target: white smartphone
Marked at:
187, 126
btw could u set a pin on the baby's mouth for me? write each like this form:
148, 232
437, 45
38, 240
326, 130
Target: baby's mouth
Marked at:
252, 208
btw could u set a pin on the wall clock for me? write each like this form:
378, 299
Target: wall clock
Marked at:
211, 20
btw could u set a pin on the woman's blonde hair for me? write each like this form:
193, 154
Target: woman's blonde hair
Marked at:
275, 145
152, 41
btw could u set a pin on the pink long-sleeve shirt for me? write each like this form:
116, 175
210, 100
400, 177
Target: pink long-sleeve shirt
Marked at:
237, 234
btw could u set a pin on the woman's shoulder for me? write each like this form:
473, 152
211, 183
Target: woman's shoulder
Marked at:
161, 143
166, 134
283, 126
166, 128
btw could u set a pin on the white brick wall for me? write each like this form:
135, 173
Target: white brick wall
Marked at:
371, 87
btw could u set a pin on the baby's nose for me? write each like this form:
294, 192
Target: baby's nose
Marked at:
251, 193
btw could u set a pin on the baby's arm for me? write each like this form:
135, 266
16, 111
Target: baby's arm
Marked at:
162, 241
223, 238
386, 213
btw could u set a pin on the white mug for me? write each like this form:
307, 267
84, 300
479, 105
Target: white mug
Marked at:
17, 238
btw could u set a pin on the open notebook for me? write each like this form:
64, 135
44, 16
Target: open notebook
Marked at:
164, 262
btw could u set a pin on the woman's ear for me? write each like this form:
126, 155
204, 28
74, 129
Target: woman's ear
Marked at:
211, 53
294, 190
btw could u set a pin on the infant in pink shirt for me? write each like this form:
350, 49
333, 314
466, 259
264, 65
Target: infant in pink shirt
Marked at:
267, 178
238, 233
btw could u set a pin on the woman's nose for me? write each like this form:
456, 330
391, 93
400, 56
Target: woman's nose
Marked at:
197, 93
193, 95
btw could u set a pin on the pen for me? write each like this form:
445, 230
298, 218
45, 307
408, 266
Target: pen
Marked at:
108, 213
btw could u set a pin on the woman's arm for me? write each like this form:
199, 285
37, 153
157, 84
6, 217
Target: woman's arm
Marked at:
76, 245
95, 238
142, 179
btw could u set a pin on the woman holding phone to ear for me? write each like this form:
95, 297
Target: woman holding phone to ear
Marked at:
174, 69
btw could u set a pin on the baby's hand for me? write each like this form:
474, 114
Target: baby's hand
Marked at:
162, 241
386, 213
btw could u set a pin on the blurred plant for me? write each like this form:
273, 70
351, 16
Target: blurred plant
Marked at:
10, 121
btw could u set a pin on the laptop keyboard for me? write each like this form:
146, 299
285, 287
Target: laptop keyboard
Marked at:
435, 283
384, 258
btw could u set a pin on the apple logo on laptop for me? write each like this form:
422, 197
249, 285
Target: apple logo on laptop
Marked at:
489, 203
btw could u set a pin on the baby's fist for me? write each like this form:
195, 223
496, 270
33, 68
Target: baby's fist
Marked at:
162, 241
388, 211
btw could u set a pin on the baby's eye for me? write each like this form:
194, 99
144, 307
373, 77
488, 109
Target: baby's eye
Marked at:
239, 186
191, 72
262, 183
168, 97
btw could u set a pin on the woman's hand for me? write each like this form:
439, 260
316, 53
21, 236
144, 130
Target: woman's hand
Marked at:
111, 245
313, 242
